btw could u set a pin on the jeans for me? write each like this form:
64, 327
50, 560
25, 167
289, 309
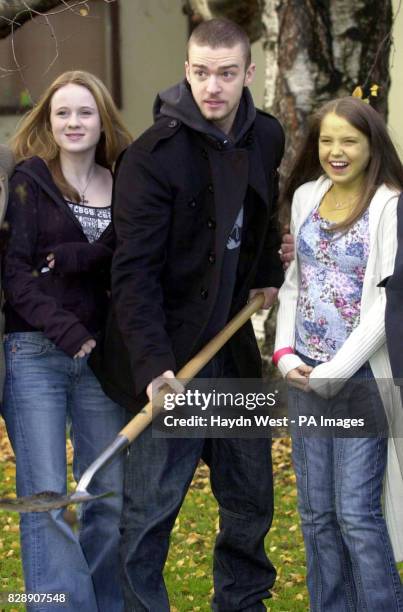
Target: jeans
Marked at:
157, 476
44, 389
350, 562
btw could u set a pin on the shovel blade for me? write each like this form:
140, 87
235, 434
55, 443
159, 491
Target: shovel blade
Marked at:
46, 501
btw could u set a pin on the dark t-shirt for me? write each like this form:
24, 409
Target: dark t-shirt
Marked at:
219, 315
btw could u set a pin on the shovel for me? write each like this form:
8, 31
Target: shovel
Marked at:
49, 500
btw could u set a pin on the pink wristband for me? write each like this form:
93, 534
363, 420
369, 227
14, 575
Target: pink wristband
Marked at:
278, 354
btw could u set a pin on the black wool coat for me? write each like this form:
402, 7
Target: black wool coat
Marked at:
172, 216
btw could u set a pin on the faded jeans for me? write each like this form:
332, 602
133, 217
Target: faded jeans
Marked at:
350, 562
44, 389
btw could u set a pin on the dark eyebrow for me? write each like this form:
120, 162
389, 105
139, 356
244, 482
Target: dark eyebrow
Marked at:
220, 67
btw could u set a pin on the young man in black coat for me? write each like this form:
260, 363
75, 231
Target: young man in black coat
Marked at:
194, 214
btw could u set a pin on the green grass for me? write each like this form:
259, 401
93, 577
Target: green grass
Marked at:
188, 570
10, 564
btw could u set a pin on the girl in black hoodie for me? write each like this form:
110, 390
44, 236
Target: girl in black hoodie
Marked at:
55, 279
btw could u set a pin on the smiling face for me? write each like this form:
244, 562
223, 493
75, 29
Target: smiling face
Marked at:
344, 151
217, 78
75, 120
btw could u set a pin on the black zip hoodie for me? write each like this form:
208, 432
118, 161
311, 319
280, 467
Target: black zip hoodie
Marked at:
68, 304
178, 102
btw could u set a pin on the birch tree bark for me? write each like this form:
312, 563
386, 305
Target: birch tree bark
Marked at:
316, 51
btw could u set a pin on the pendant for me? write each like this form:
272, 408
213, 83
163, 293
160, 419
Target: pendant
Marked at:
83, 200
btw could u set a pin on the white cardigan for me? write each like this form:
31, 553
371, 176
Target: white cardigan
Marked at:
366, 342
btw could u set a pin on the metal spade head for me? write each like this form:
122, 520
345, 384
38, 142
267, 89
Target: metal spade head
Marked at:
46, 500
50, 500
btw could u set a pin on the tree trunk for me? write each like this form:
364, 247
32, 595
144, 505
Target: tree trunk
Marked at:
319, 50
248, 13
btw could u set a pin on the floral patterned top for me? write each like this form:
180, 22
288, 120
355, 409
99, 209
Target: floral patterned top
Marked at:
332, 267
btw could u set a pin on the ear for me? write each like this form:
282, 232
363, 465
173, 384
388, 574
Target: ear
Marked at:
249, 75
187, 71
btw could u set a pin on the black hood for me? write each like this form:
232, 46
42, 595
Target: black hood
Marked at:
178, 102
37, 165
37, 169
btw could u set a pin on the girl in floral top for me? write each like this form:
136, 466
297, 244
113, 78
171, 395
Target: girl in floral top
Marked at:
344, 189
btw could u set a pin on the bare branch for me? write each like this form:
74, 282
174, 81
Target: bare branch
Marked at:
15, 13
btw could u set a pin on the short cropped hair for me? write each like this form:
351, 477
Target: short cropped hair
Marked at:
217, 33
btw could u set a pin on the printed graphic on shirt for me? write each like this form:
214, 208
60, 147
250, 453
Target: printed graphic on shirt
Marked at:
234, 240
93, 220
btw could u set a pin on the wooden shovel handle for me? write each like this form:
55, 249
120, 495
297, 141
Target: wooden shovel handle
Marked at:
141, 420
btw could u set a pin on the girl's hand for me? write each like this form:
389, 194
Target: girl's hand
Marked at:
86, 348
51, 261
299, 377
287, 249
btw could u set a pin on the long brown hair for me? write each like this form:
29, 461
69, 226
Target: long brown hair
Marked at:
384, 165
34, 134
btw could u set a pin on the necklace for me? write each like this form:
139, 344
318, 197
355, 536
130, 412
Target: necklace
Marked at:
83, 199
342, 205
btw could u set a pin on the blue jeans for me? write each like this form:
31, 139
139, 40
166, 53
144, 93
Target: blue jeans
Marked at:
350, 562
44, 389
157, 476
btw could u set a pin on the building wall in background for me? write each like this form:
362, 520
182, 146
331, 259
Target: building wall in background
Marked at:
153, 39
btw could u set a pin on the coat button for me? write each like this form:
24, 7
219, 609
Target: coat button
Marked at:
211, 257
172, 123
210, 188
211, 224
192, 204
204, 153
204, 294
